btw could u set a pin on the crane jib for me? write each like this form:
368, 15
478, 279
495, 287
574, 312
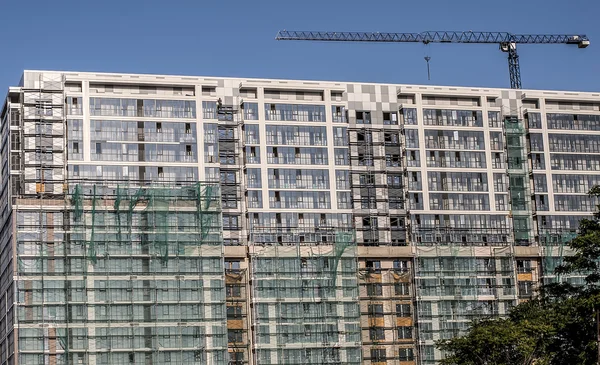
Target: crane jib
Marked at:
507, 41
435, 37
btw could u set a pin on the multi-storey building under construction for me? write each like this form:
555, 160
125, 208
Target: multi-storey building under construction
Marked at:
195, 220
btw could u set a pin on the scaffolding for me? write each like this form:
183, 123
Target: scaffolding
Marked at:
124, 273
40, 145
386, 306
518, 175
304, 296
42, 137
378, 184
367, 181
455, 285
232, 160
236, 286
445, 236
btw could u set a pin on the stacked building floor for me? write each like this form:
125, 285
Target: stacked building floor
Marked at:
152, 219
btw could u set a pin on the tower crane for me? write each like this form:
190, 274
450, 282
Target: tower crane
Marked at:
507, 41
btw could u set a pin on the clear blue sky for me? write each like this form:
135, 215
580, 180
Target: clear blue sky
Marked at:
236, 38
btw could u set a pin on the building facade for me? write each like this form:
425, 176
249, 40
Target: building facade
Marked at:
191, 220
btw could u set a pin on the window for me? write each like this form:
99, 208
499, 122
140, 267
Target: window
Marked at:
250, 111
234, 312
525, 288
391, 139
409, 116
413, 159
376, 333
143, 108
374, 289
364, 136
500, 182
367, 179
369, 222
234, 335
447, 117
376, 310
378, 355
396, 202
365, 159
98, 148
344, 200
188, 128
341, 156
496, 140
403, 310
428, 353
406, 355
232, 265
229, 200
341, 179
74, 105
412, 138
404, 332
534, 120
339, 114
363, 117
394, 181
524, 266
494, 119
368, 202
255, 199
227, 157
373, 265
15, 141
227, 177
236, 357
402, 289
233, 291
392, 160
254, 178
390, 118
401, 265
230, 222
541, 202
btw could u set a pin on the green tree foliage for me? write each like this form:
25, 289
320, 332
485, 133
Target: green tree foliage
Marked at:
540, 332
557, 327
587, 249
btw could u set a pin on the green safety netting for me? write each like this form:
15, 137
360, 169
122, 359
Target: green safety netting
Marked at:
305, 288
156, 221
166, 218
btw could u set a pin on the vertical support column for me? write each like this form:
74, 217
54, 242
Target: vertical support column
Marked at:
199, 132
85, 88
262, 133
422, 150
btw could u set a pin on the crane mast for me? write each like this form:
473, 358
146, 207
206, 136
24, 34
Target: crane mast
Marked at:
506, 41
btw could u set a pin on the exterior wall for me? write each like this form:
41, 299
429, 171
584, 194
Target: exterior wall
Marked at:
452, 208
